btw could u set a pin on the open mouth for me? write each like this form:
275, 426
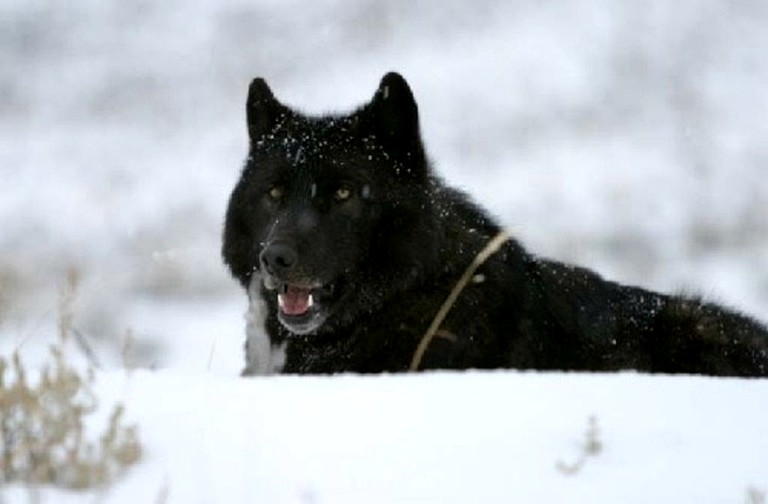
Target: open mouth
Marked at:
302, 308
295, 300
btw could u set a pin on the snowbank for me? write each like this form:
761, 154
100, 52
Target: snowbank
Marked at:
440, 437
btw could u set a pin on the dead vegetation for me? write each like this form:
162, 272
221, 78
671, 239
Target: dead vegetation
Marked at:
591, 447
43, 417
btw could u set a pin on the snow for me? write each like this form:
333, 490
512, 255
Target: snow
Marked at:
440, 437
626, 137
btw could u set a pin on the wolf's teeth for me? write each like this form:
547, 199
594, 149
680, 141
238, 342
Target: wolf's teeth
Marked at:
280, 301
310, 301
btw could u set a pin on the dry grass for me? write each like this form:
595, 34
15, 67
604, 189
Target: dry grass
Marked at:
591, 447
43, 439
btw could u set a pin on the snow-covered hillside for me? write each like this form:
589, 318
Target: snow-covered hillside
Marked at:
625, 136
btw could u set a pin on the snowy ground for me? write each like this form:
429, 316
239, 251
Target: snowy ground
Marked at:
628, 137
448, 437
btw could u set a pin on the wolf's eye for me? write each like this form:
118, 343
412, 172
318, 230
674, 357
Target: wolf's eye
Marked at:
275, 193
342, 193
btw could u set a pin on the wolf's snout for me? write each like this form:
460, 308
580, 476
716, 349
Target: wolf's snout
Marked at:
279, 259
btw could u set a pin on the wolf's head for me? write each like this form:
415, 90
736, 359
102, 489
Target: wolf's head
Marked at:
333, 214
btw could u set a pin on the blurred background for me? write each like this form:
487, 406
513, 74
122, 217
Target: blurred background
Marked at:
630, 137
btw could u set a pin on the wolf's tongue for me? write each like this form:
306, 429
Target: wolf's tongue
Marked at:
295, 301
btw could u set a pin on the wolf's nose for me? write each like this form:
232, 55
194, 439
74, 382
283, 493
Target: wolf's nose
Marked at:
278, 258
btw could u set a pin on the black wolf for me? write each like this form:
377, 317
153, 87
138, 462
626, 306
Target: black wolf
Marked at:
341, 232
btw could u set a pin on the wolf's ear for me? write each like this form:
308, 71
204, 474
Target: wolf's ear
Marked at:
262, 110
394, 116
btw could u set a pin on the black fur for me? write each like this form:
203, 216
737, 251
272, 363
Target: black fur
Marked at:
347, 207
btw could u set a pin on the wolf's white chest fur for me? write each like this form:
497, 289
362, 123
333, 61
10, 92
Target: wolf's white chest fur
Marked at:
261, 356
